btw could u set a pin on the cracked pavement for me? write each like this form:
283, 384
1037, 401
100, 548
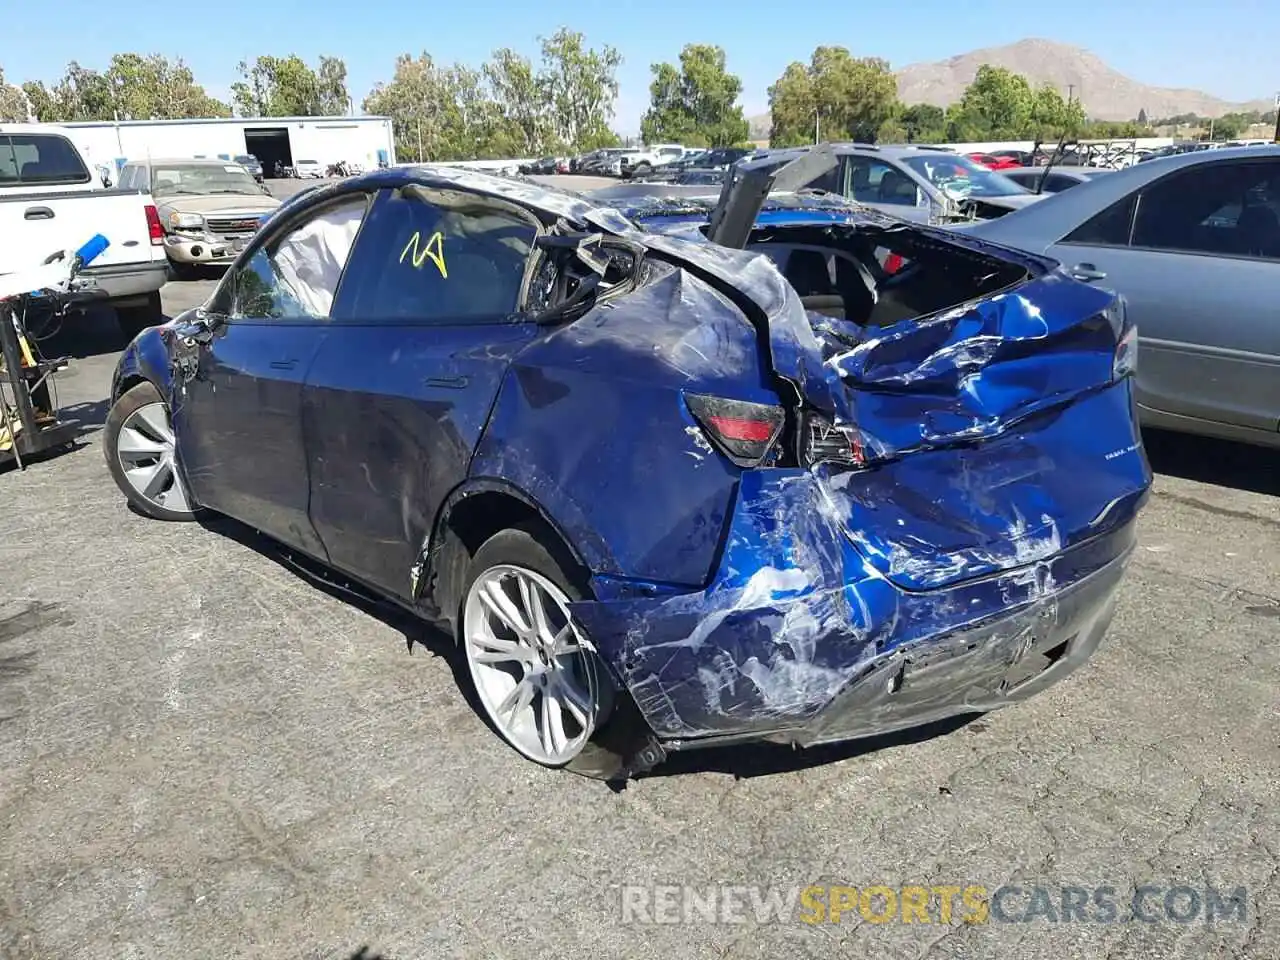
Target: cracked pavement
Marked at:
203, 754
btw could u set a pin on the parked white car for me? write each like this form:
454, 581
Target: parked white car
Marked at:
643, 161
52, 198
312, 169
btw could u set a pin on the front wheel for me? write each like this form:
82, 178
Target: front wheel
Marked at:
141, 453
537, 678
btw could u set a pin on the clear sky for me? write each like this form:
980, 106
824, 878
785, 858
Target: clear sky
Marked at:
1227, 48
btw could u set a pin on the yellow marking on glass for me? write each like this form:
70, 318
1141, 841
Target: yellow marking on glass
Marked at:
433, 251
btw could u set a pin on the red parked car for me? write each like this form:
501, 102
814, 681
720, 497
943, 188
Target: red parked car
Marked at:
992, 162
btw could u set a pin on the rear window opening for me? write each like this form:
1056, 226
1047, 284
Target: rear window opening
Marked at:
40, 159
574, 272
875, 278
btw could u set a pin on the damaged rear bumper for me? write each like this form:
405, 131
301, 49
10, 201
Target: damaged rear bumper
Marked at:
800, 640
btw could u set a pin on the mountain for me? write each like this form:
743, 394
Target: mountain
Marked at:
1107, 94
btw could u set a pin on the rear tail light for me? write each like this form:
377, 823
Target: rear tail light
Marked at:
821, 441
154, 227
893, 263
745, 432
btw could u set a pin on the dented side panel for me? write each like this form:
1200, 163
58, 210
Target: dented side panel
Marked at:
590, 424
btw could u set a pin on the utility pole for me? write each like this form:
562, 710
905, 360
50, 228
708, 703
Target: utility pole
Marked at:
817, 125
1071, 92
1276, 138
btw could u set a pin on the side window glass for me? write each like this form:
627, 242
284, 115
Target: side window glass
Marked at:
297, 275
448, 257
1110, 228
874, 181
1223, 208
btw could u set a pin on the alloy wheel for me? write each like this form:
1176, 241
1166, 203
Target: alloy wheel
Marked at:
146, 450
535, 676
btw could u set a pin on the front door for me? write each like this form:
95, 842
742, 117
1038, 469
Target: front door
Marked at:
424, 330
237, 399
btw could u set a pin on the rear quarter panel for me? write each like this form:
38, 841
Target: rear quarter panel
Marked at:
591, 425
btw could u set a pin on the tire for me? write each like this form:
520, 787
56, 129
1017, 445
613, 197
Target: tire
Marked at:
139, 419
556, 703
133, 320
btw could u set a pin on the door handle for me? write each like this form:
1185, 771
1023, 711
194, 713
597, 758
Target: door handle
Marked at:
37, 213
283, 364
1087, 272
448, 383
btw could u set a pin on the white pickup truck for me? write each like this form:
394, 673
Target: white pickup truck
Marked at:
52, 198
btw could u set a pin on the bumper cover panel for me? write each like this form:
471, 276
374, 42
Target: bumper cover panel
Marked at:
798, 636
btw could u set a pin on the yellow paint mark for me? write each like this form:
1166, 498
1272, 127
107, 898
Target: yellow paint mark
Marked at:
433, 251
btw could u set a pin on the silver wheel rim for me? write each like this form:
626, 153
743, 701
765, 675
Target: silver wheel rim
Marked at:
533, 672
145, 448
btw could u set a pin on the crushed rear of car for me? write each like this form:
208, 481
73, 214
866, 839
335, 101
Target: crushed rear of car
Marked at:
933, 516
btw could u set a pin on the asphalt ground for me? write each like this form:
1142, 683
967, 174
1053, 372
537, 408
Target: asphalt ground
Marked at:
204, 755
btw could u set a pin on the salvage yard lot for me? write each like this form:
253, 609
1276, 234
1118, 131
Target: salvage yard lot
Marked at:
204, 755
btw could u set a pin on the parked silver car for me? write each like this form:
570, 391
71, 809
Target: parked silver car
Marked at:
1192, 241
918, 183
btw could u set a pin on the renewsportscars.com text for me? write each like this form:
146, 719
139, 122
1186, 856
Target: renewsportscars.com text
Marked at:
944, 904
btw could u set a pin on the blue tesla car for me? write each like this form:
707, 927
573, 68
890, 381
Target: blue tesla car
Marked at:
766, 466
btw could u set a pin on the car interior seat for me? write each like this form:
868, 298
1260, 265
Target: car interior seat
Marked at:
1258, 231
896, 188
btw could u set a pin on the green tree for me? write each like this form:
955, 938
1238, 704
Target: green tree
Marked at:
83, 94
443, 113
524, 96
697, 103
13, 102
153, 88
582, 87
1052, 116
792, 108
288, 87
1142, 116
998, 105
924, 123
837, 96
43, 105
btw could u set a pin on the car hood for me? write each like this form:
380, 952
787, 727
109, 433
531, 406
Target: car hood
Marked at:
216, 203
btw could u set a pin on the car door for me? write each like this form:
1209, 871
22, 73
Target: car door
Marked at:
396, 400
237, 403
1196, 254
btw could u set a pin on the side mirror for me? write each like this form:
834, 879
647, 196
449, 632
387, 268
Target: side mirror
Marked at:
198, 327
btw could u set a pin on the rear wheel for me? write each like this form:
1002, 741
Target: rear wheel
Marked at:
141, 453
537, 678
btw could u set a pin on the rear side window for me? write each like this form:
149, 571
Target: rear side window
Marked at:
1110, 228
40, 159
439, 257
